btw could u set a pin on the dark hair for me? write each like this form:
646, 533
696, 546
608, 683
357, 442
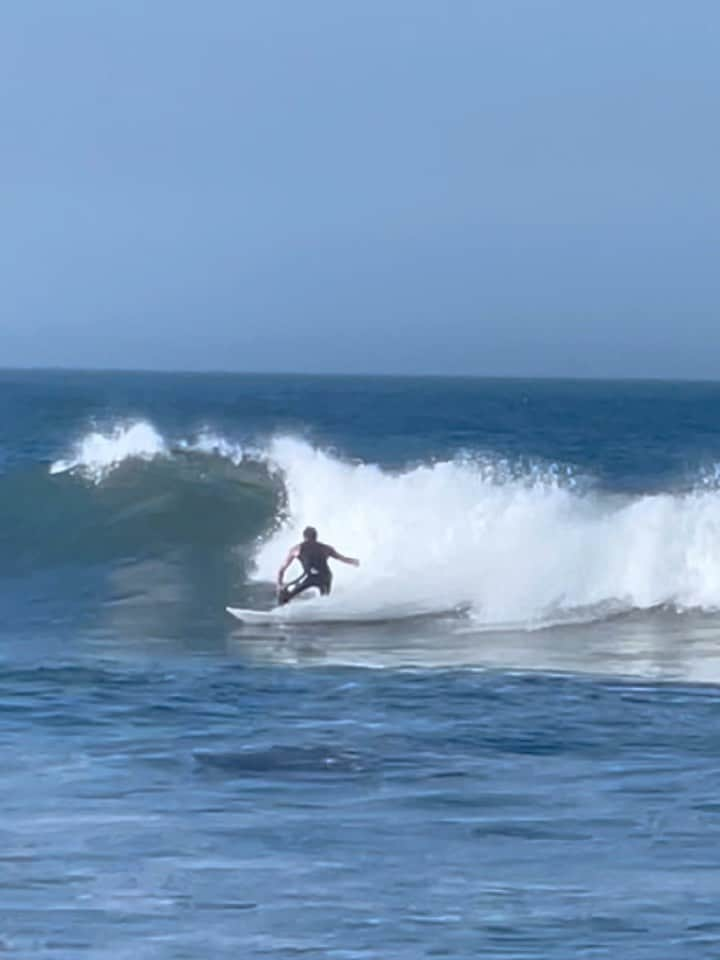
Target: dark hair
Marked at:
310, 533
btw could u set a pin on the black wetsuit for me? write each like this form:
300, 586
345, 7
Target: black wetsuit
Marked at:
316, 573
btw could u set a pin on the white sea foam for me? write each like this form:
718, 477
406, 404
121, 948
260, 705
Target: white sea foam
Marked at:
525, 549
98, 454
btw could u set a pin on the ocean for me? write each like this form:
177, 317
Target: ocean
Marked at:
498, 737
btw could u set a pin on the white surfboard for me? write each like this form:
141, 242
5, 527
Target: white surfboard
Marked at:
256, 616
305, 612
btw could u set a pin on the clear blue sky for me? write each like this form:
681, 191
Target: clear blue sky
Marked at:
452, 186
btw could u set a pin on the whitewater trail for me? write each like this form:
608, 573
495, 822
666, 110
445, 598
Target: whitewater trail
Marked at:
510, 545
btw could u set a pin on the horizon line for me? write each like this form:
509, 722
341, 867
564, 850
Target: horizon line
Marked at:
361, 375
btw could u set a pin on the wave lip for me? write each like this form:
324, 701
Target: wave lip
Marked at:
98, 454
211, 444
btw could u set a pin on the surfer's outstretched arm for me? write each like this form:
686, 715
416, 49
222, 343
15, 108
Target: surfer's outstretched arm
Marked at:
338, 556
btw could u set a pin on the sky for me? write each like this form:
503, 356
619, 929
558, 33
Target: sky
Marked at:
484, 187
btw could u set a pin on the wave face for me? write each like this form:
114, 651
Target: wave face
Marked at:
126, 495
510, 544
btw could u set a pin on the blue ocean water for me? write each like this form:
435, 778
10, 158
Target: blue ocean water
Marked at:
497, 738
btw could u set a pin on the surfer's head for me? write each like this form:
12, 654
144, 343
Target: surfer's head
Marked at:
309, 533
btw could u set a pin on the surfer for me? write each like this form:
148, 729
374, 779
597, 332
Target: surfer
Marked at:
314, 557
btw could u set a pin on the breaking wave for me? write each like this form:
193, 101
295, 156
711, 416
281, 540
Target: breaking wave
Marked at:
506, 543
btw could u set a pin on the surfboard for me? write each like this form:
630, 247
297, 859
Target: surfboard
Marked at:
306, 613
256, 616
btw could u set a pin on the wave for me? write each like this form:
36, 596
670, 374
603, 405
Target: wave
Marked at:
508, 547
97, 454
129, 495
504, 543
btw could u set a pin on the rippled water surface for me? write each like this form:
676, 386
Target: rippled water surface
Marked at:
198, 806
498, 738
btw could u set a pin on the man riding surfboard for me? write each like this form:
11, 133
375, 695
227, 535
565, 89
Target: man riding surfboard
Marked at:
314, 557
